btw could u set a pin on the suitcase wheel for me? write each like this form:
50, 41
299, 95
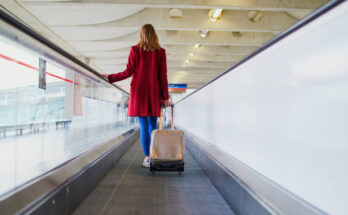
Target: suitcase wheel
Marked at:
166, 167
152, 168
181, 170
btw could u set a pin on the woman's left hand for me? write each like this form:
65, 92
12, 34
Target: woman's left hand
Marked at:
105, 75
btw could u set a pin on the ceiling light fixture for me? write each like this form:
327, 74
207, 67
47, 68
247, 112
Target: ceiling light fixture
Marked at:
215, 14
187, 61
197, 45
175, 13
204, 33
236, 34
255, 16
191, 54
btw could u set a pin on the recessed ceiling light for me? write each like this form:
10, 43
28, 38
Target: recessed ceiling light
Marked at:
191, 54
187, 61
197, 45
236, 34
204, 33
215, 14
175, 13
255, 16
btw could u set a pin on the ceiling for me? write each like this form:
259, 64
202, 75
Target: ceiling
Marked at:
101, 32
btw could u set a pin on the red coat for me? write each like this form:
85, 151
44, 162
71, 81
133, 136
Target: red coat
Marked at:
149, 85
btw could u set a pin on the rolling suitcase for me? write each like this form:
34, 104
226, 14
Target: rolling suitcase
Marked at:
167, 149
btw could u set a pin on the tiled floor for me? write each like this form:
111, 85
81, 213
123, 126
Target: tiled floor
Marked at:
131, 189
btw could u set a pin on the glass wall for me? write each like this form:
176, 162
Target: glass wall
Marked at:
42, 128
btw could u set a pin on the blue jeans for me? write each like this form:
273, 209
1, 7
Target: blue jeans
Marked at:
147, 124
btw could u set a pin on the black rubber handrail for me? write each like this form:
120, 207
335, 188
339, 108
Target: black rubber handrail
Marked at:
8, 18
322, 10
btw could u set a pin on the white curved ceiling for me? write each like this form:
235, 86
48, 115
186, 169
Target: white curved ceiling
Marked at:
67, 14
100, 32
76, 33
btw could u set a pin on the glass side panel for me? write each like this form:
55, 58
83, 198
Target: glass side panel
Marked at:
42, 128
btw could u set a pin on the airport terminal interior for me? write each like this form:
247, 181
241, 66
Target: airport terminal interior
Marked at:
259, 89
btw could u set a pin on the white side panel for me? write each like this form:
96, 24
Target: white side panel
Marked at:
284, 113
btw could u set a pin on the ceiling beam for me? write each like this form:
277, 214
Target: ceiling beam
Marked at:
271, 22
207, 64
180, 38
193, 84
197, 57
190, 80
85, 46
118, 68
177, 38
73, 33
200, 64
186, 37
194, 69
269, 5
179, 50
171, 63
173, 57
189, 76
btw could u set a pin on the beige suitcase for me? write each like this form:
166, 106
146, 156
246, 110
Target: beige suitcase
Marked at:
167, 149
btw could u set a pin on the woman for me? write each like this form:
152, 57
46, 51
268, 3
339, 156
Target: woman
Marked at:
147, 65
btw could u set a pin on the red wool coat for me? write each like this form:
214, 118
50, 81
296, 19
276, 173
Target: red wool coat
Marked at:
149, 85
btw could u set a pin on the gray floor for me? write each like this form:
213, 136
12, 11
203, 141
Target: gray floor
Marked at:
130, 188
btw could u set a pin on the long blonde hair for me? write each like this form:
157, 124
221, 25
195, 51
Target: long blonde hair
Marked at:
148, 38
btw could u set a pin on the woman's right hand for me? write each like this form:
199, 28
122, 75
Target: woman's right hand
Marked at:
166, 103
105, 75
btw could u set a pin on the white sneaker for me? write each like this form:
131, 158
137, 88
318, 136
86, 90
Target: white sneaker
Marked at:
146, 163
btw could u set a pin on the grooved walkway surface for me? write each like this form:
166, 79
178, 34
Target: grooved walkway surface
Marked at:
130, 189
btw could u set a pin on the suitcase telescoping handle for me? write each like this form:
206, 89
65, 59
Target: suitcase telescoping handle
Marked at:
161, 118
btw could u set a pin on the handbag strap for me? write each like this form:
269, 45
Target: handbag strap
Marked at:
161, 120
172, 122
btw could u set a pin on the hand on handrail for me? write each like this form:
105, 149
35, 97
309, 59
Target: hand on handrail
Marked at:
105, 75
